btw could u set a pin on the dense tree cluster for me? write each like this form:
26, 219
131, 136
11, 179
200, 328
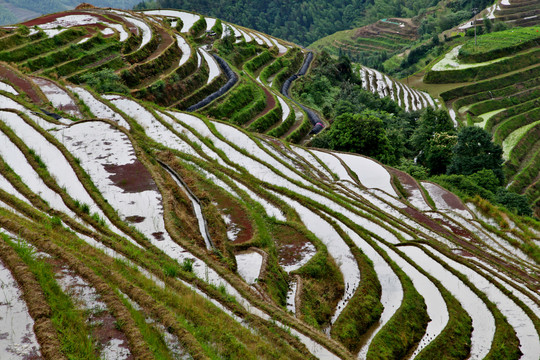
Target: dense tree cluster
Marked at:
425, 144
300, 21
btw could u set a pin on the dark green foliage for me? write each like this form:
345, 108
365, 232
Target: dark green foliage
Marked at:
363, 310
513, 202
437, 153
257, 62
198, 27
145, 51
284, 126
301, 132
142, 72
431, 122
236, 53
305, 21
475, 151
114, 64
105, 81
238, 98
361, 133
417, 171
266, 121
218, 28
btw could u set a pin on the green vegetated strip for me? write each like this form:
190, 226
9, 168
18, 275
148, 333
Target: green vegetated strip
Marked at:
363, 309
288, 68
73, 51
499, 44
528, 173
264, 122
184, 80
506, 91
202, 92
41, 46
300, 132
139, 73
241, 98
198, 27
491, 84
144, 52
16, 39
282, 128
522, 147
259, 61
72, 330
75, 65
483, 72
512, 111
515, 122
112, 62
504, 102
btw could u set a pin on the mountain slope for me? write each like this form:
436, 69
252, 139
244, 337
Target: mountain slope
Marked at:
131, 228
302, 22
498, 91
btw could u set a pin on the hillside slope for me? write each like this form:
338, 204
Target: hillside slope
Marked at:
131, 228
495, 85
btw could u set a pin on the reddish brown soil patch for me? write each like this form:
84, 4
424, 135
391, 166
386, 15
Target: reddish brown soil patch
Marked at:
158, 235
135, 219
166, 40
453, 201
26, 87
427, 221
292, 245
132, 28
239, 217
132, 178
463, 253
270, 104
71, 107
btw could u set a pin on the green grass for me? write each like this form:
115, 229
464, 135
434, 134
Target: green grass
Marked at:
501, 43
70, 323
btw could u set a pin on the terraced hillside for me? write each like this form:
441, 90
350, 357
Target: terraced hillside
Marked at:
386, 36
498, 90
131, 228
513, 12
383, 85
164, 56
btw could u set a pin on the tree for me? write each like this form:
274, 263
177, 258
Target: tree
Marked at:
475, 151
431, 122
437, 153
361, 133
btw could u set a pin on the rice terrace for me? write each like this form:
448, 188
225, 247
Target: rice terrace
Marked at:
177, 186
